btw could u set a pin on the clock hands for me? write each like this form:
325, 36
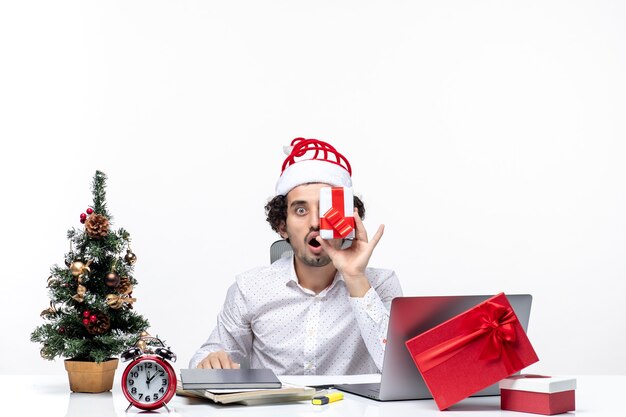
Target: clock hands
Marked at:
150, 378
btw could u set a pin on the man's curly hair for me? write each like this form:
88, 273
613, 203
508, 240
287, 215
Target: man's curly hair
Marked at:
276, 211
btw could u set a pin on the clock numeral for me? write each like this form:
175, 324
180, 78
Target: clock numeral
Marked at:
134, 374
162, 390
131, 382
133, 390
161, 373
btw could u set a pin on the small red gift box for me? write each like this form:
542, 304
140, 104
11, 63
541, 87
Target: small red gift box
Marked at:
538, 394
337, 213
471, 351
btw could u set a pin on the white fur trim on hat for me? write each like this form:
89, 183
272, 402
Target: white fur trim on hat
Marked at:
312, 171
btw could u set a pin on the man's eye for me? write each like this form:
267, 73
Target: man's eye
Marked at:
300, 211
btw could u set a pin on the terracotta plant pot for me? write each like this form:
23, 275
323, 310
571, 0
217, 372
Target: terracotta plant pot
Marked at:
91, 376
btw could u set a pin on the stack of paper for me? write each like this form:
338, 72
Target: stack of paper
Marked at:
251, 396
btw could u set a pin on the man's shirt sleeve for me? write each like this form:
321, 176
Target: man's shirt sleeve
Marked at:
232, 333
372, 315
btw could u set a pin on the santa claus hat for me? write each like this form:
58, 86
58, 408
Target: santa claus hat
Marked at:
310, 161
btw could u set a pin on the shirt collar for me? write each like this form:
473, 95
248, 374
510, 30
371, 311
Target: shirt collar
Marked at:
289, 273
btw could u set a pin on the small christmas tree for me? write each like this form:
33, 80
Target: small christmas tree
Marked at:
91, 315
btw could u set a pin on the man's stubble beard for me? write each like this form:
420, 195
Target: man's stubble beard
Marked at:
317, 261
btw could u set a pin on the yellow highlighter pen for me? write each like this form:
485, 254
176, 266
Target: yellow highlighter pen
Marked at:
328, 398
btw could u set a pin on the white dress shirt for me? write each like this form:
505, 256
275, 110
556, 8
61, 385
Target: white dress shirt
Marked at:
275, 323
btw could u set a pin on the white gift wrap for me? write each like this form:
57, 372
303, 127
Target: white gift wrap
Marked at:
538, 383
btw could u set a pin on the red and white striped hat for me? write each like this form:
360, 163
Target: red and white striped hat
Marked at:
311, 161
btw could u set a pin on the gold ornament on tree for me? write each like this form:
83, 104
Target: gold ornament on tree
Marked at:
45, 353
116, 301
124, 289
112, 279
81, 290
97, 226
49, 312
130, 257
78, 268
51, 281
141, 343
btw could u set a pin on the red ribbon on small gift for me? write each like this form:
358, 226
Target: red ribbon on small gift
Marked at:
333, 219
338, 222
491, 321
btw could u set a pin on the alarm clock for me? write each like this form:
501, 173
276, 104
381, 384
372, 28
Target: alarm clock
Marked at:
149, 381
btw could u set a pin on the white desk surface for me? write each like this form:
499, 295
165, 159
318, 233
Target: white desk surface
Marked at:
49, 396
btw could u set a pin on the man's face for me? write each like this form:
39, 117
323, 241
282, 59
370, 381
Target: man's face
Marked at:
303, 225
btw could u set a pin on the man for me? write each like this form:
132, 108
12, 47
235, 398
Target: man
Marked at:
320, 311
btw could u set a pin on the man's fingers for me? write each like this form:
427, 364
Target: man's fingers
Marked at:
215, 363
225, 361
361, 233
205, 363
328, 248
378, 235
218, 360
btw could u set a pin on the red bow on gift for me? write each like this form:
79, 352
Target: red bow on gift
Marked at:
338, 222
334, 219
491, 321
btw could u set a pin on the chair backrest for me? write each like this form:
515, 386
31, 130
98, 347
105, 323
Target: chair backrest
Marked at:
279, 249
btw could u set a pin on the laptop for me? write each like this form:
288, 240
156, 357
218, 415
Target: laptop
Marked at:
410, 316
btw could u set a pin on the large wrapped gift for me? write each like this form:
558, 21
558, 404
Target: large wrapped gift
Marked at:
471, 351
337, 213
538, 394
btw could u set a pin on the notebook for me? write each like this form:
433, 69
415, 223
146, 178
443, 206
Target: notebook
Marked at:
410, 316
193, 379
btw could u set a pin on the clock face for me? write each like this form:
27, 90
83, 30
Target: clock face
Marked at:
149, 382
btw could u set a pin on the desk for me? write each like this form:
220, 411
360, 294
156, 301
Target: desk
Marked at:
49, 396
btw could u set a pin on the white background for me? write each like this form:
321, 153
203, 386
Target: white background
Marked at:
488, 136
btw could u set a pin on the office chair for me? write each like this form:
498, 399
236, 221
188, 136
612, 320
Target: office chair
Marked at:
279, 249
